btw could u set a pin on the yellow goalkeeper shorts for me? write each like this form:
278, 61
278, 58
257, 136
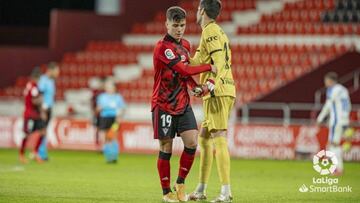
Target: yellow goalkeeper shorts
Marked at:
217, 112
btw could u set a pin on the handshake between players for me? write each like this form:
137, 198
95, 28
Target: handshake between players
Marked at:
203, 89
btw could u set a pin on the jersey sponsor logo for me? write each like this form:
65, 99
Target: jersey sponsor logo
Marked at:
227, 81
212, 38
169, 54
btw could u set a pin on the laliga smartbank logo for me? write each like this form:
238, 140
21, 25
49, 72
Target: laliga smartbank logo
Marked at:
324, 163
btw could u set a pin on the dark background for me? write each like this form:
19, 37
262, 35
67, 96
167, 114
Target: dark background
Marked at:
36, 12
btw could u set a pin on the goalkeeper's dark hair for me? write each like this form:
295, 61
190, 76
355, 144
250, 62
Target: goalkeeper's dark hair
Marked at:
332, 76
211, 7
175, 13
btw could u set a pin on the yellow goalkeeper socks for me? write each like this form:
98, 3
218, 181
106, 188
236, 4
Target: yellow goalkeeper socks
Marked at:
222, 159
206, 158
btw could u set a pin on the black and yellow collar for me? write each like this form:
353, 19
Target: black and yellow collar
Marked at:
211, 22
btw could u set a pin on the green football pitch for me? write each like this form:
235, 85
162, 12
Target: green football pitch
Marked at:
84, 177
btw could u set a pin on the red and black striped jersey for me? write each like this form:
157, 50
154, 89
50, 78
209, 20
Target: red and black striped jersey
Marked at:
173, 75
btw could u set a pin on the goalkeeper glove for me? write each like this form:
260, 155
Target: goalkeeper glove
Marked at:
202, 90
210, 84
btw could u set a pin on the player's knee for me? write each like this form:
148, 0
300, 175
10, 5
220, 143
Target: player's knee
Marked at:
166, 146
166, 149
192, 144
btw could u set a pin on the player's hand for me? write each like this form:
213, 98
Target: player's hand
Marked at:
197, 91
204, 89
213, 69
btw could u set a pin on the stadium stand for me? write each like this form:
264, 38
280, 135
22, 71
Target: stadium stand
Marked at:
273, 43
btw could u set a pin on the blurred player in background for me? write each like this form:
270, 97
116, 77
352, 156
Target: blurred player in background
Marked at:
171, 111
338, 108
33, 117
97, 88
47, 87
214, 49
110, 106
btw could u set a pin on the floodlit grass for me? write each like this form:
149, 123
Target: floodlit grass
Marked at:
72, 176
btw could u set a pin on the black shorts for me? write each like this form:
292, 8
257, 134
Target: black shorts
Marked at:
166, 125
105, 123
32, 125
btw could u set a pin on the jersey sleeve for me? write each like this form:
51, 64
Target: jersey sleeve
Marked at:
121, 103
331, 94
195, 60
191, 82
172, 61
324, 111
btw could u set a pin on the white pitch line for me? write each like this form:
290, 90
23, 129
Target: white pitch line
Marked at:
12, 169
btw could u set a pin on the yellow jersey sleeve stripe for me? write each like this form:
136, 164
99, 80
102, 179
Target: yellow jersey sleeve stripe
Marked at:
215, 51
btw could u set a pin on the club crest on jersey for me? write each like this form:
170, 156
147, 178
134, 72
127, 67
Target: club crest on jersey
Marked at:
169, 54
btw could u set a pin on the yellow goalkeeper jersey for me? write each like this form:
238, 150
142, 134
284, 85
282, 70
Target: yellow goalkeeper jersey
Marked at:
214, 49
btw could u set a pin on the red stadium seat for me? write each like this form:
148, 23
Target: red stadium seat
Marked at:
258, 67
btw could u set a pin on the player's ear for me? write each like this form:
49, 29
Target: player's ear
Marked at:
166, 25
202, 11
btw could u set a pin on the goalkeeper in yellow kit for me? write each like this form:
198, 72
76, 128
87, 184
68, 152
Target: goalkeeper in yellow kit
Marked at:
214, 49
